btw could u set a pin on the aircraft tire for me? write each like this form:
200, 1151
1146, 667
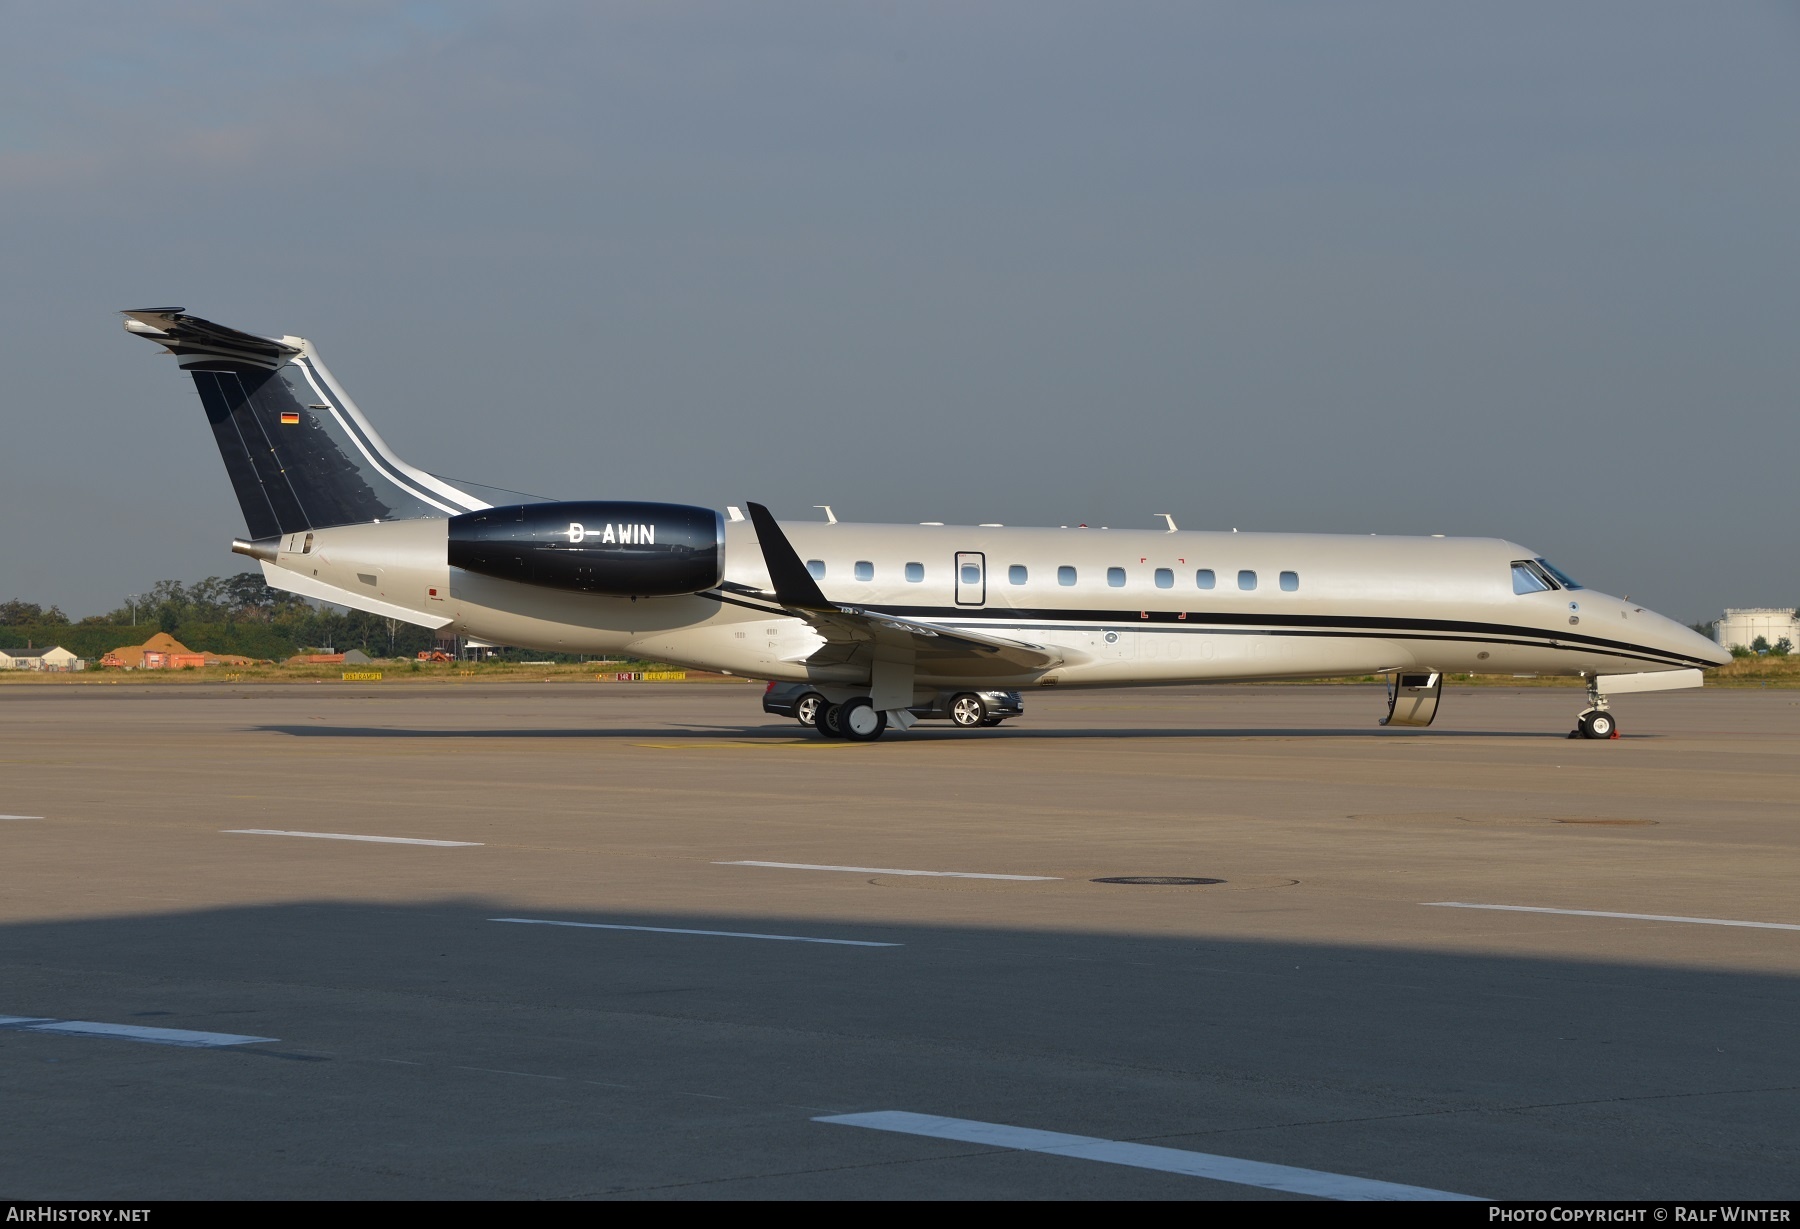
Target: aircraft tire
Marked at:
860, 721
1599, 725
967, 712
826, 722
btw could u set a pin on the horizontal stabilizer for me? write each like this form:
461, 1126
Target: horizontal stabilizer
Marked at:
186, 335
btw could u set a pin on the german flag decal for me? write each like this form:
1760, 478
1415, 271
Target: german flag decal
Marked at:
290, 418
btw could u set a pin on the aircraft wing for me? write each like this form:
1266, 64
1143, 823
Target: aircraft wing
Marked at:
846, 629
853, 634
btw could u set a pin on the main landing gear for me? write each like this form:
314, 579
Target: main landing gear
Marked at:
1595, 721
857, 720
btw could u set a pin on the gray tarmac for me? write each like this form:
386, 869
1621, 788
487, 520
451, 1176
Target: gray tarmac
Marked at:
1314, 1010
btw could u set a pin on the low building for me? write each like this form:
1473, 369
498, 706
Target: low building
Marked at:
53, 657
161, 652
1741, 628
154, 660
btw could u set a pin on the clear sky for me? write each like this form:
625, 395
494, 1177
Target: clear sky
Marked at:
1527, 270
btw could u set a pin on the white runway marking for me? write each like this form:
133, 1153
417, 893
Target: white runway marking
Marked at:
1635, 917
21, 817
344, 836
889, 870
1142, 1156
129, 1032
672, 930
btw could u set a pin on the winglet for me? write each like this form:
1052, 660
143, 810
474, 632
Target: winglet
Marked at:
794, 585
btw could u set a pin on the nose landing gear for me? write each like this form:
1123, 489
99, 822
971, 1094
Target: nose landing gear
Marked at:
1595, 721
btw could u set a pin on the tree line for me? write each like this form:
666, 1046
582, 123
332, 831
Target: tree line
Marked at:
237, 614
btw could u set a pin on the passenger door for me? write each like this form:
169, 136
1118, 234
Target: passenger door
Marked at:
971, 578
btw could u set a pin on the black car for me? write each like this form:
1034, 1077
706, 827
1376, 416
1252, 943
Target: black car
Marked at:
967, 709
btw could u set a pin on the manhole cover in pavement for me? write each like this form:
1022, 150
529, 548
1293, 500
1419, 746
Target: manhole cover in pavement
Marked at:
1165, 881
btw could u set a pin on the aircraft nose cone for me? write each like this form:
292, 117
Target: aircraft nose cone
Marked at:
1687, 641
1714, 652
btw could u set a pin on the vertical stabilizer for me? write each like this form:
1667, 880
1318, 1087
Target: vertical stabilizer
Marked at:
299, 453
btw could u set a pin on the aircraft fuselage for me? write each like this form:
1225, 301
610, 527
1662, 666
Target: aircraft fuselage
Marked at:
1119, 606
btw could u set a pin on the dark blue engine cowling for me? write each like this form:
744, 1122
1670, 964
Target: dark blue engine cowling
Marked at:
619, 548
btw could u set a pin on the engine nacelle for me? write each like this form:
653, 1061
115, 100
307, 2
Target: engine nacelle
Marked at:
615, 547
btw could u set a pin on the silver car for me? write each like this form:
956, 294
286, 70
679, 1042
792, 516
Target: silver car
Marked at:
966, 709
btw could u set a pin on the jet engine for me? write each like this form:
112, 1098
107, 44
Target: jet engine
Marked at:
617, 548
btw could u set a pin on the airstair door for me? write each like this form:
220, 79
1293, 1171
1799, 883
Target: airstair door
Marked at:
1413, 698
971, 578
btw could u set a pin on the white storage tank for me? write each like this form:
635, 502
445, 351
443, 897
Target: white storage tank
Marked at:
1740, 628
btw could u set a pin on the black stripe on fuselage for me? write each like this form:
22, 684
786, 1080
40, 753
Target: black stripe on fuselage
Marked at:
1360, 627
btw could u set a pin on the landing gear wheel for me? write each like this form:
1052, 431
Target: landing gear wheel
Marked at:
967, 711
1598, 723
806, 708
825, 721
860, 721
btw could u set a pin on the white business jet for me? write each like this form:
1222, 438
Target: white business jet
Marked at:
879, 617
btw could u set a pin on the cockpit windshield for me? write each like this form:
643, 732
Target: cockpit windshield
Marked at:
1528, 577
1562, 577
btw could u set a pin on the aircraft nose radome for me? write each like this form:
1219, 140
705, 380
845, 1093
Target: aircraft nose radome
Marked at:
1690, 642
1712, 650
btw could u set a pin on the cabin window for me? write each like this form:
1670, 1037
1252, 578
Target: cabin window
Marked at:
1016, 574
1065, 576
865, 570
1204, 579
1115, 577
971, 574
1165, 578
1529, 578
915, 572
1246, 580
1290, 582
817, 568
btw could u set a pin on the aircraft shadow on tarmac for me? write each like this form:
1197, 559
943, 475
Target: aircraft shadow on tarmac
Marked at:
436, 1052
789, 733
